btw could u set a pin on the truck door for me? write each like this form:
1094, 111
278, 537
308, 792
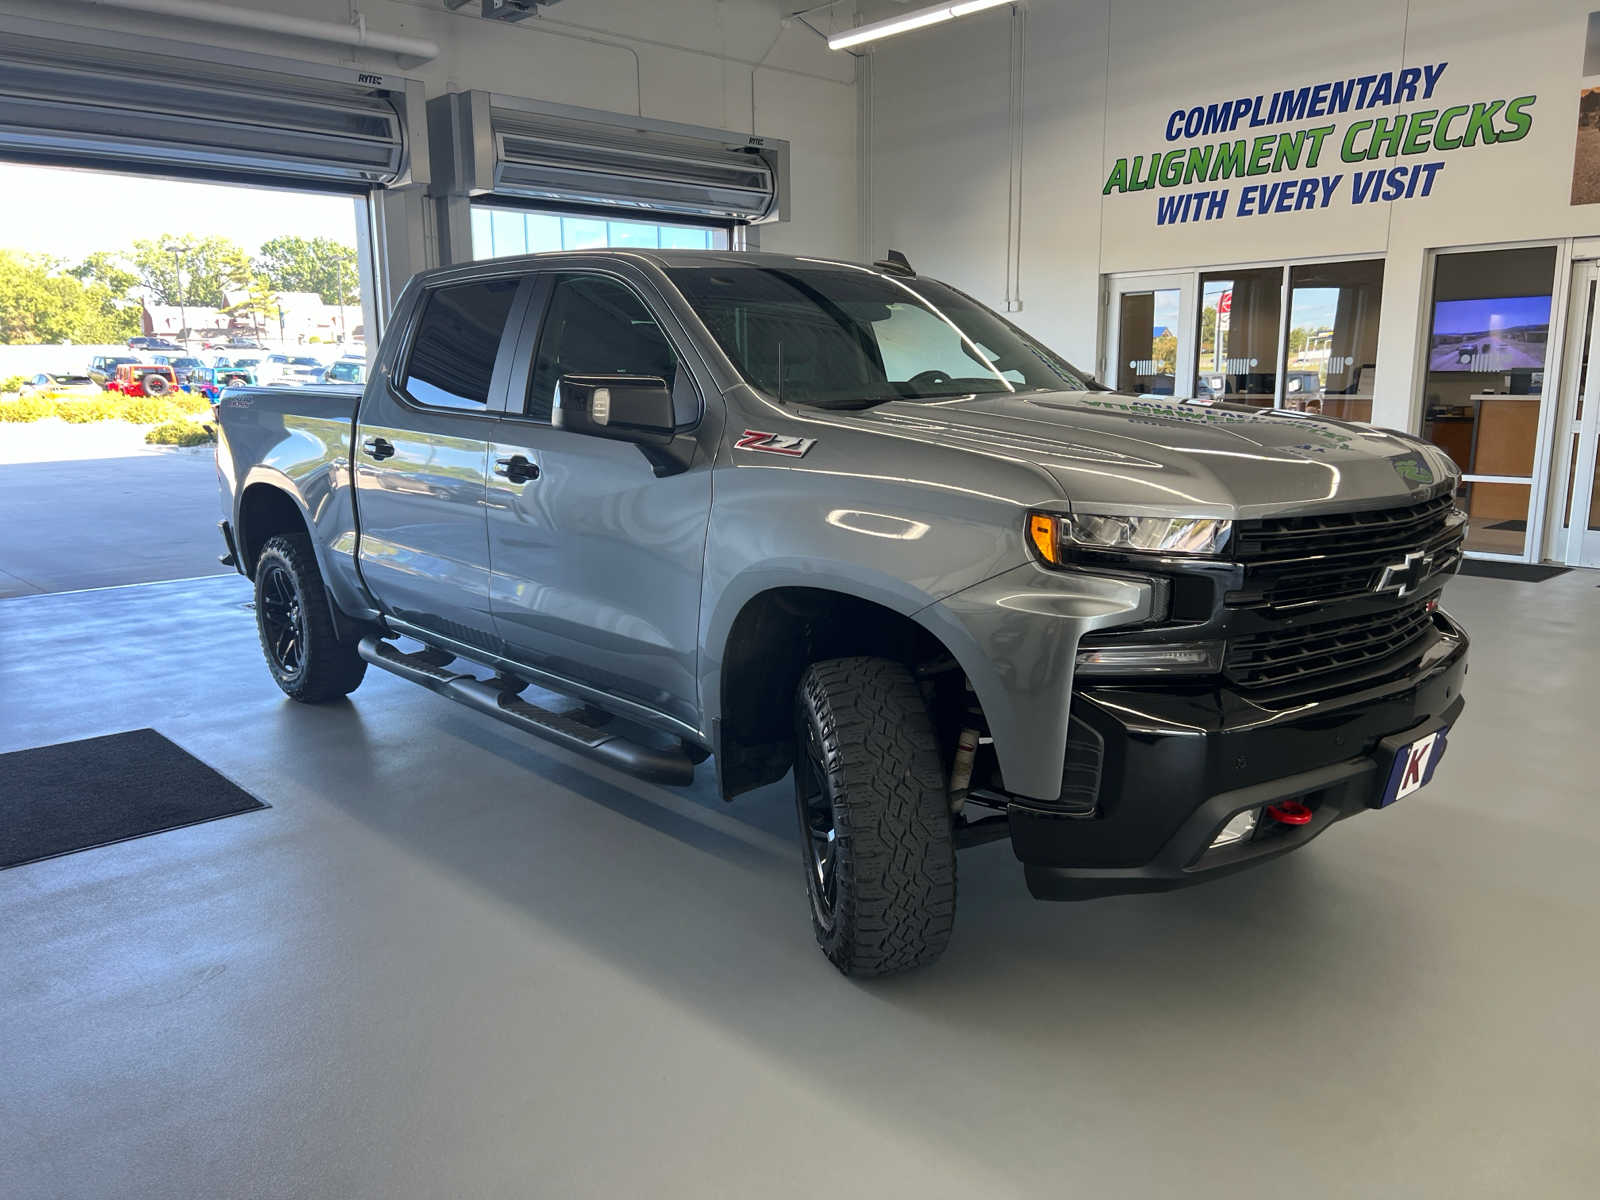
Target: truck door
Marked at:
596, 561
421, 453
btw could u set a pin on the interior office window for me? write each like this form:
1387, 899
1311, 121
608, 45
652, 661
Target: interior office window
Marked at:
1331, 353
1147, 342
1238, 336
458, 337
1487, 335
595, 325
498, 232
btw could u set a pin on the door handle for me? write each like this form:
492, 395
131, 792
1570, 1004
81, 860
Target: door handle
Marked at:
516, 468
379, 448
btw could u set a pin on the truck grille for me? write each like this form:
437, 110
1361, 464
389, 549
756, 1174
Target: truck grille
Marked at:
1310, 656
1294, 561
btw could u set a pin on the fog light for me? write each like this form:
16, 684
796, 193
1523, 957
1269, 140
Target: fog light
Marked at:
1237, 830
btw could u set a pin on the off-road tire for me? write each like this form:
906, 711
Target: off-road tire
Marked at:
894, 868
328, 666
155, 385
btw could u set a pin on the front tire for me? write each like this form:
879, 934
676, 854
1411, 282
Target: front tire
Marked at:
874, 817
304, 652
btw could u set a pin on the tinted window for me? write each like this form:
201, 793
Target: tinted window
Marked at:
843, 337
597, 326
452, 358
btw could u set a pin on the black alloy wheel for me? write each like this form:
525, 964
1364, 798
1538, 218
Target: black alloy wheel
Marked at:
818, 834
282, 620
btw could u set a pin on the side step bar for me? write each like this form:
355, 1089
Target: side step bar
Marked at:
564, 729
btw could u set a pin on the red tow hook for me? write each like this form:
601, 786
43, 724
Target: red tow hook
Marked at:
1289, 812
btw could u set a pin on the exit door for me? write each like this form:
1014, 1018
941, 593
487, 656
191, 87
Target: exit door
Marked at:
1150, 336
1578, 487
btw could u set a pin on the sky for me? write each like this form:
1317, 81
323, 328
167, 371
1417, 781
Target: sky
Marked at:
68, 214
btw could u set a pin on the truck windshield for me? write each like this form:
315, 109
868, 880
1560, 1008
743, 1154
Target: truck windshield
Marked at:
848, 337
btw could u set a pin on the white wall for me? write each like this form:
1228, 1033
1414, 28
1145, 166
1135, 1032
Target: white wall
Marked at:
1101, 78
723, 63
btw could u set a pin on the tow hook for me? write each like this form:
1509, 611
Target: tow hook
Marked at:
1289, 812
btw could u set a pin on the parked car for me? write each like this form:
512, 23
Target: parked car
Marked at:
346, 370
144, 379
103, 367
153, 343
232, 343
210, 382
43, 381
182, 365
848, 526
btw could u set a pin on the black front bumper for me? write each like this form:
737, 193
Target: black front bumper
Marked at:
1179, 763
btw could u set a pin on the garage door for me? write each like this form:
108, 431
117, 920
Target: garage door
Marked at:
192, 110
491, 145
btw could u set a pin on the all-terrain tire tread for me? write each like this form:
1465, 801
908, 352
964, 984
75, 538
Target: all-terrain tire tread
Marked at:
896, 900
333, 668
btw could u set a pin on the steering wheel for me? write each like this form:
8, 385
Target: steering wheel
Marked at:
929, 378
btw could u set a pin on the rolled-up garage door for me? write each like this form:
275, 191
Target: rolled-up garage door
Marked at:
189, 110
491, 145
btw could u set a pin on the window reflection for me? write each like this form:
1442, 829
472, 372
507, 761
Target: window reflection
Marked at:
1147, 338
1238, 335
1332, 349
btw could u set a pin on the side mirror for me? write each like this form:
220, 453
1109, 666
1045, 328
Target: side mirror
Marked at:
624, 408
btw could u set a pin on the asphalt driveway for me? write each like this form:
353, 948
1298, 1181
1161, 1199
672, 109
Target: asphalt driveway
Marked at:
102, 522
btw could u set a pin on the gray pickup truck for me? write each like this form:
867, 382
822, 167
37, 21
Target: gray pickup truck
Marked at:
842, 523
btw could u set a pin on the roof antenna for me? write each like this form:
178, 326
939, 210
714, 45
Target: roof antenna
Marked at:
895, 263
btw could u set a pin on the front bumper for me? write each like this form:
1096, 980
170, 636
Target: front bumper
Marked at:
1178, 764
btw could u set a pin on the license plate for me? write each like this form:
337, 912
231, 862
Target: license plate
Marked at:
1413, 766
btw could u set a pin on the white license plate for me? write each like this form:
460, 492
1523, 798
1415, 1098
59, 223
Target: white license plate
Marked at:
1413, 765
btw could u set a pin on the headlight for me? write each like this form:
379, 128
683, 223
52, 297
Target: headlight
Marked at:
1051, 535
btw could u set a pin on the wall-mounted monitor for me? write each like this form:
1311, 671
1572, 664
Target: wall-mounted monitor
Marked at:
1495, 335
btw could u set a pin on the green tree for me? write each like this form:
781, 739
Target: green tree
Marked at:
320, 265
106, 267
41, 303
210, 266
1208, 330
259, 306
1165, 352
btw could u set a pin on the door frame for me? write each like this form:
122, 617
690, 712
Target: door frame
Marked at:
1563, 541
1185, 283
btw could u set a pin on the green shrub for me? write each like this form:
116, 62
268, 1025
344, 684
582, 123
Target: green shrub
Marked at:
191, 403
81, 412
13, 383
148, 410
27, 408
179, 433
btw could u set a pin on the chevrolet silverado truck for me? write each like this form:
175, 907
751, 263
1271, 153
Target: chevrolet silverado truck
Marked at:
843, 524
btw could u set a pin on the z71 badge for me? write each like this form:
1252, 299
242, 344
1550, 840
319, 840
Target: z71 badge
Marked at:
774, 443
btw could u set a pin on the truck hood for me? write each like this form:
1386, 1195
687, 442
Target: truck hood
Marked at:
1112, 453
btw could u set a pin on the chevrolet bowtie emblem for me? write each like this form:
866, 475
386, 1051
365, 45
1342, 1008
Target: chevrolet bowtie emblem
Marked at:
1407, 575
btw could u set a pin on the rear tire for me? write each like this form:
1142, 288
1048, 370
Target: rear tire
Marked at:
304, 652
874, 815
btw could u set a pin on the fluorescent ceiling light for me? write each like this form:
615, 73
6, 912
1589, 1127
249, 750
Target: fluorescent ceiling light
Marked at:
931, 15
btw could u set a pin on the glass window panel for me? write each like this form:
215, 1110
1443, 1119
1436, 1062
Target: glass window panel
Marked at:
1332, 350
1147, 361
1238, 356
458, 338
1487, 335
542, 231
582, 233
688, 237
1497, 516
633, 233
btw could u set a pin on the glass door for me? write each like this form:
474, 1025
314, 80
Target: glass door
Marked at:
1578, 488
1149, 342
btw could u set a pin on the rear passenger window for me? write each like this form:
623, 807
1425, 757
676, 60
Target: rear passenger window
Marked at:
458, 336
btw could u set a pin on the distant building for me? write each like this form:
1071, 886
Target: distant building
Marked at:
168, 320
300, 317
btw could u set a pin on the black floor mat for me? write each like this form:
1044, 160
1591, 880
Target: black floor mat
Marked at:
1521, 572
59, 799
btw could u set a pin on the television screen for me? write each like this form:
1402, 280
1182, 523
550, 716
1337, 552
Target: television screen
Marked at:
1505, 334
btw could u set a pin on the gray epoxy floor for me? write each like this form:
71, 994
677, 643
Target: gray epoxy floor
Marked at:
126, 520
450, 963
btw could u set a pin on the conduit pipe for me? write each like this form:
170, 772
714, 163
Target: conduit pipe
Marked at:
357, 34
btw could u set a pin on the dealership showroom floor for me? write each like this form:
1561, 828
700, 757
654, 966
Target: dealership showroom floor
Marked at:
446, 961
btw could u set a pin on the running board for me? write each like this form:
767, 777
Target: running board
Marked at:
432, 669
